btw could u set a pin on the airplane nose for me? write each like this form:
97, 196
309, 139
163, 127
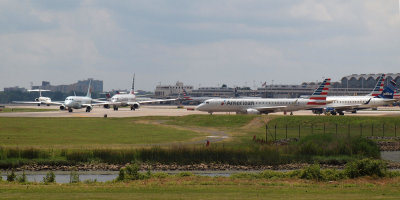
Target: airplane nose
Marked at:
199, 107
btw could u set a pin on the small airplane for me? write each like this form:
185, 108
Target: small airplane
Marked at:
120, 100
380, 96
267, 105
39, 101
186, 97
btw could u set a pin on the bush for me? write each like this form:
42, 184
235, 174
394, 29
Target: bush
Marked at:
90, 181
131, 172
312, 172
74, 177
184, 174
160, 175
366, 167
11, 177
49, 178
22, 178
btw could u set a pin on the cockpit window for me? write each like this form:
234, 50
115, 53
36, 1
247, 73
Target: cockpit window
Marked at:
207, 102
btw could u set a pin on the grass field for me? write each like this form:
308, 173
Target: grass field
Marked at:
87, 132
209, 188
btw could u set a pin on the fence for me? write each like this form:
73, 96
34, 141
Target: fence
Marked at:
275, 132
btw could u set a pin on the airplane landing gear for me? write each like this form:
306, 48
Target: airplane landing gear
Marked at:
291, 113
87, 109
70, 110
341, 113
115, 108
333, 112
133, 108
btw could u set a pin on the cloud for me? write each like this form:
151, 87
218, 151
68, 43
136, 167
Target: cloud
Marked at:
198, 42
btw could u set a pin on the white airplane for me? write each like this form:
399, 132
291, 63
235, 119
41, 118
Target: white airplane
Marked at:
39, 101
267, 105
78, 102
380, 96
120, 100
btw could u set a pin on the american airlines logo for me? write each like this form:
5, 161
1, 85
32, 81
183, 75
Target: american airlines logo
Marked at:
238, 103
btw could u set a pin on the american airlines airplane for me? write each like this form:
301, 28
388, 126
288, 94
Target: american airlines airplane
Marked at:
380, 96
119, 100
39, 101
267, 105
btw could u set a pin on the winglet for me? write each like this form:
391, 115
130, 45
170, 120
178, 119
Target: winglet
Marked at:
320, 94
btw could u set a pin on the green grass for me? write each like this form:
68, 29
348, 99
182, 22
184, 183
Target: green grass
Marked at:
84, 132
194, 187
4, 110
225, 121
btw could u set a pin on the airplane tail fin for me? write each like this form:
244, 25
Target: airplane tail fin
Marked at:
378, 87
185, 95
89, 91
388, 91
108, 96
133, 85
320, 94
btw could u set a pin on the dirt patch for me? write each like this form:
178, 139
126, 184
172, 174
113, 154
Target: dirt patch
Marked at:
257, 122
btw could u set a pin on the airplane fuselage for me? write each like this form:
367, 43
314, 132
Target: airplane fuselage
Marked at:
243, 105
77, 102
123, 99
361, 102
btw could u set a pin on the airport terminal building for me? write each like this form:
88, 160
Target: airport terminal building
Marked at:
352, 85
80, 86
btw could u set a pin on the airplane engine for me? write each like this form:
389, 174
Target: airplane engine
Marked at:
135, 106
106, 106
37, 99
252, 111
62, 107
89, 108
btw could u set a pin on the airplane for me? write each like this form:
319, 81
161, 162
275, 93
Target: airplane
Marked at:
78, 102
267, 105
39, 101
186, 97
119, 100
380, 96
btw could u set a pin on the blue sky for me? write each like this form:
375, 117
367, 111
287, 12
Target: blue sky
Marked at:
205, 43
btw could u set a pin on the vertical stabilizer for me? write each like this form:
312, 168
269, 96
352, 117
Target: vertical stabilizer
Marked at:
89, 91
320, 94
378, 87
133, 85
388, 91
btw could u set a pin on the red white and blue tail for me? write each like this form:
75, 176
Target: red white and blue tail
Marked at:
378, 87
185, 96
133, 85
320, 94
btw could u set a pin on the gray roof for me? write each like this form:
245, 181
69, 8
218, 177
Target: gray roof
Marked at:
367, 76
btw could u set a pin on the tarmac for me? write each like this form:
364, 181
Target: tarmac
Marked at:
161, 110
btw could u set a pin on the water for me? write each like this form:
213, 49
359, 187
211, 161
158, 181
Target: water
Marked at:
391, 155
104, 176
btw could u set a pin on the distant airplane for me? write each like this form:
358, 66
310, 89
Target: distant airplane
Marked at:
186, 97
267, 105
78, 102
119, 100
39, 101
380, 96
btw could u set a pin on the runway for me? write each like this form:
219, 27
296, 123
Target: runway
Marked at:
165, 111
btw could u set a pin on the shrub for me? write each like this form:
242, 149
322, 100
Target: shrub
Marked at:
49, 178
312, 172
11, 177
184, 174
333, 175
74, 177
131, 172
90, 181
22, 178
366, 167
160, 175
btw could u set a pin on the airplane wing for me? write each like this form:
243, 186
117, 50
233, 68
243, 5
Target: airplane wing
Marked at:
152, 101
346, 107
37, 102
270, 109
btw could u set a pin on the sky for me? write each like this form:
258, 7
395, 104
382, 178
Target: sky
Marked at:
201, 43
